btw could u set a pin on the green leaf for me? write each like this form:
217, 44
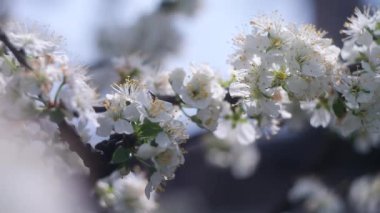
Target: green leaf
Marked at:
149, 128
147, 131
196, 120
339, 107
121, 155
129, 74
226, 84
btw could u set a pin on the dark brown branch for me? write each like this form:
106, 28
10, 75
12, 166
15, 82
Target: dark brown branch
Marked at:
355, 67
97, 163
18, 53
175, 100
99, 109
230, 99
171, 99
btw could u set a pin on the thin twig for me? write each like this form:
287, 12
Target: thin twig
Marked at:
18, 53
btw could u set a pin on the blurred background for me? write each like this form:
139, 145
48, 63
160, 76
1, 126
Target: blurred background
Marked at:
204, 28
176, 33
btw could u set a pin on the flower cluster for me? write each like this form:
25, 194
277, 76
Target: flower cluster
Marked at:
133, 110
275, 67
203, 91
315, 196
358, 85
200, 90
49, 86
136, 67
279, 63
365, 194
38, 90
241, 159
120, 193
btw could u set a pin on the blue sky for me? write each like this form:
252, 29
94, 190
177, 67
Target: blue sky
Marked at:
207, 36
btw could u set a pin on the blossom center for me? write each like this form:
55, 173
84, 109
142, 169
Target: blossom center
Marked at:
197, 92
156, 108
165, 157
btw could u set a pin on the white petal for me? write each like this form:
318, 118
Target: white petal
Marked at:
308, 105
298, 86
245, 161
146, 151
270, 108
321, 117
209, 117
239, 90
105, 126
223, 129
313, 68
199, 104
246, 133
131, 113
176, 79
154, 182
123, 126
163, 140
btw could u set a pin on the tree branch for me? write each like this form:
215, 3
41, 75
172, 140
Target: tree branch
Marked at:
18, 53
174, 100
96, 161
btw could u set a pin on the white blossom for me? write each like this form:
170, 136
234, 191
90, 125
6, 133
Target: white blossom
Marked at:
359, 83
136, 67
34, 40
236, 127
357, 89
116, 117
209, 116
198, 89
125, 193
176, 131
364, 194
315, 196
154, 109
242, 159
166, 156
320, 114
